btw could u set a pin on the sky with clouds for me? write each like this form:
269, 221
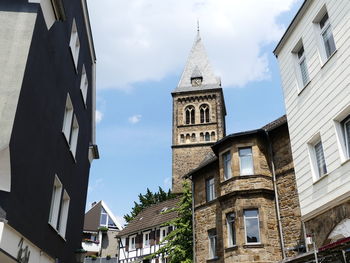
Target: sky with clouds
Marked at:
142, 47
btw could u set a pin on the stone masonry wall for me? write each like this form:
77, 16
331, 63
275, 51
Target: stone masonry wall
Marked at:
186, 159
109, 244
322, 225
287, 190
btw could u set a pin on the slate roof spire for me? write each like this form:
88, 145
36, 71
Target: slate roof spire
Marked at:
198, 65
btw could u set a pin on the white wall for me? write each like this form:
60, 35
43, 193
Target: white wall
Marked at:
16, 32
314, 109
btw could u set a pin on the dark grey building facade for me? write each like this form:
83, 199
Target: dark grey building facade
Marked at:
47, 128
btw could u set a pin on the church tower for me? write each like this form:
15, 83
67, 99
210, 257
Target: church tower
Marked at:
198, 114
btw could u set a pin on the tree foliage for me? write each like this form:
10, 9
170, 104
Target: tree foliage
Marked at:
178, 245
146, 200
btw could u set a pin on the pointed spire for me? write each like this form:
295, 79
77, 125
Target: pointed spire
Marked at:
198, 65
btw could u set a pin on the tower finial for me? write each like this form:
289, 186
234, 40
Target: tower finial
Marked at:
198, 25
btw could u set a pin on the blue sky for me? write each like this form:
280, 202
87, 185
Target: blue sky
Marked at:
142, 47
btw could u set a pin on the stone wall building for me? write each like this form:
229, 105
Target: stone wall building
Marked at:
198, 114
246, 207
313, 55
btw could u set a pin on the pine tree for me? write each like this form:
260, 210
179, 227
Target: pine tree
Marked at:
146, 200
178, 245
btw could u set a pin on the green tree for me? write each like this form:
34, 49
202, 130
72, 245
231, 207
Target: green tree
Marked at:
178, 245
146, 200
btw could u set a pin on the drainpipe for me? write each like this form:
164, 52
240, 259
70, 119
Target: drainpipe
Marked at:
276, 195
193, 225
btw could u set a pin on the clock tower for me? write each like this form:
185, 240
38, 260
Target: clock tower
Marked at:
198, 114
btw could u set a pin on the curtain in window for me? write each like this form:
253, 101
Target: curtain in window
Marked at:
321, 164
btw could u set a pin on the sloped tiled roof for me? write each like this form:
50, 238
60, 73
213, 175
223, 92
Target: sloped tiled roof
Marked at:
198, 65
274, 124
151, 217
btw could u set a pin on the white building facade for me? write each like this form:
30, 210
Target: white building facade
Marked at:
314, 58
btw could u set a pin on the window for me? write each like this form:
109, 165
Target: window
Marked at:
212, 136
230, 221
55, 202
59, 208
70, 126
133, 242
182, 138
346, 129
74, 44
210, 188
327, 35
302, 66
73, 141
226, 160
320, 161
190, 115
207, 137
64, 214
163, 233
252, 228
246, 161
103, 217
188, 138
212, 244
68, 117
106, 220
204, 113
84, 84
146, 237
193, 137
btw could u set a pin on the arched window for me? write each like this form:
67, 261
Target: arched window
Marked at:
193, 138
207, 136
190, 113
182, 138
188, 138
213, 136
204, 112
201, 136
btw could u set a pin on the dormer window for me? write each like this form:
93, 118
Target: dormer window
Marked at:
195, 82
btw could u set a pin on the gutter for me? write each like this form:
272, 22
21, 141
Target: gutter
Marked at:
276, 196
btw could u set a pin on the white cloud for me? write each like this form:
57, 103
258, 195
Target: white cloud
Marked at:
141, 40
99, 116
135, 118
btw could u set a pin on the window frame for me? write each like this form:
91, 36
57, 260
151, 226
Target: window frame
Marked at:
316, 139
161, 235
213, 244
245, 225
319, 31
74, 44
190, 115
132, 245
55, 202
84, 85
64, 212
68, 118
144, 243
240, 160
224, 162
204, 112
231, 233
323, 30
210, 189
